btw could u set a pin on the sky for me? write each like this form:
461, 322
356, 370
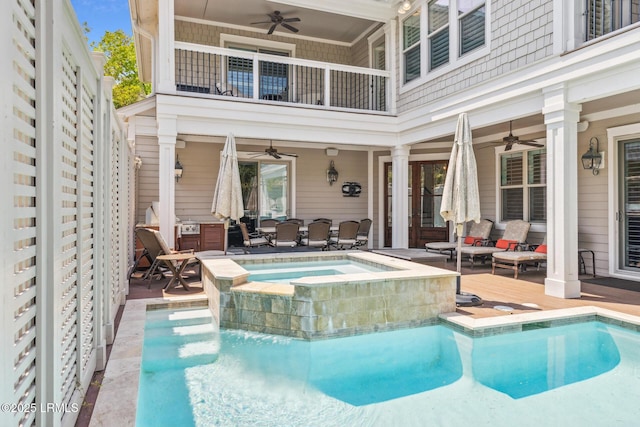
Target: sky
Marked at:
103, 15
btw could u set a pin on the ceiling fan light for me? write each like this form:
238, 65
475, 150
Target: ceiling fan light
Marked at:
401, 10
406, 5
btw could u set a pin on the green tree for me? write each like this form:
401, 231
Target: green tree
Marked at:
120, 54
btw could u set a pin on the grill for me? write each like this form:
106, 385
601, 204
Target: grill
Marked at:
189, 228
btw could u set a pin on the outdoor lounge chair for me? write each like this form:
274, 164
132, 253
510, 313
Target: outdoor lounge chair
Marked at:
154, 246
518, 259
252, 239
515, 233
286, 235
478, 233
347, 235
317, 235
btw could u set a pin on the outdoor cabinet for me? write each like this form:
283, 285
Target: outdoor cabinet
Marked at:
190, 241
212, 237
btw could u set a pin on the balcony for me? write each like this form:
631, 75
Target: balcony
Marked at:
259, 77
606, 16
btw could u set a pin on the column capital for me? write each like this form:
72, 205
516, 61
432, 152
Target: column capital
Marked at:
401, 151
167, 128
557, 109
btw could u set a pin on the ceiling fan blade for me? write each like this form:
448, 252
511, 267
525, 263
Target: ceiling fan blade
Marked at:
273, 27
531, 143
289, 27
275, 155
288, 154
291, 20
508, 147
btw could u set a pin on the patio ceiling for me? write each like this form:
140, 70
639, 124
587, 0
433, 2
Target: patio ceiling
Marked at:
345, 26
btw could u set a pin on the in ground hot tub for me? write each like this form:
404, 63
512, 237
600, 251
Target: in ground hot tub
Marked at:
375, 293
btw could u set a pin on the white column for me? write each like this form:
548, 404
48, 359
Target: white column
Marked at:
166, 80
400, 197
561, 119
166, 179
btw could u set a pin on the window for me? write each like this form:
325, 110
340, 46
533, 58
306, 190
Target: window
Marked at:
452, 30
438, 13
273, 76
605, 16
471, 17
523, 185
411, 46
265, 188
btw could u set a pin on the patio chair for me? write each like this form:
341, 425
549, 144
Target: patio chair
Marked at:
286, 235
518, 259
362, 238
269, 222
154, 246
515, 233
327, 220
252, 239
317, 235
298, 221
347, 235
478, 233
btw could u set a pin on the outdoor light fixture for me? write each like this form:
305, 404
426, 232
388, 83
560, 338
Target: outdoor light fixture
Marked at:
178, 169
332, 173
404, 6
592, 159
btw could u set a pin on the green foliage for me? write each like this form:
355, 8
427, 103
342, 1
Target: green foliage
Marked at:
120, 54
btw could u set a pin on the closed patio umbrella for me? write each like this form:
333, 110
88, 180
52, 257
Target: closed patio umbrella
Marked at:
461, 198
227, 198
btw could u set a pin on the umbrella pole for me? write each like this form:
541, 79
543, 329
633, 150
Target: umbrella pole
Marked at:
459, 257
226, 235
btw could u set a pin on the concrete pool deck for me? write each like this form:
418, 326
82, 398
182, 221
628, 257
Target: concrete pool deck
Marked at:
116, 403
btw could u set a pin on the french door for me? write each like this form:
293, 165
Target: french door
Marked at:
426, 182
628, 214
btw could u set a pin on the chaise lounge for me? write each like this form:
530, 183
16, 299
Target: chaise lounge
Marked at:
478, 233
516, 260
515, 233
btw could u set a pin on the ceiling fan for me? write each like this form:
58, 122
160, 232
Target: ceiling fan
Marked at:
277, 19
510, 140
274, 153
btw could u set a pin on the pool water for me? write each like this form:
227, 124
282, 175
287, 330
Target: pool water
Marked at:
580, 374
285, 272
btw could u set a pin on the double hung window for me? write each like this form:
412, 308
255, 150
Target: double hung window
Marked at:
523, 185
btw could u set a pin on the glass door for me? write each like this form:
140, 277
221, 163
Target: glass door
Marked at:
629, 209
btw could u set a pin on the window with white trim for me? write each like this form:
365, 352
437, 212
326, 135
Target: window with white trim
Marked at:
411, 47
451, 29
523, 185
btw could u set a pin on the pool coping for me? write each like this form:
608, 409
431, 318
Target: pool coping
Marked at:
111, 408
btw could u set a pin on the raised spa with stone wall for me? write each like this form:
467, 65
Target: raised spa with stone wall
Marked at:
397, 294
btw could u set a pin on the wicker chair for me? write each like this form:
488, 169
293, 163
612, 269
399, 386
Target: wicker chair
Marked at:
252, 239
317, 235
362, 238
286, 235
347, 235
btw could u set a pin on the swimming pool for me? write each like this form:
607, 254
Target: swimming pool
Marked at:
579, 374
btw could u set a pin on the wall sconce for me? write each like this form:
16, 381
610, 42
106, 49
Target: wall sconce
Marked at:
404, 6
332, 173
592, 159
178, 169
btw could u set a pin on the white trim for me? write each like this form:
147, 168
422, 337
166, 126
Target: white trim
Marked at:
259, 43
614, 136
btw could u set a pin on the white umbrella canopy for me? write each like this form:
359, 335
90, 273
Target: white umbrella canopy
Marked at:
227, 198
461, 198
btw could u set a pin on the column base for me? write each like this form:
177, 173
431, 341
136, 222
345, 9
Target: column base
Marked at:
562, 288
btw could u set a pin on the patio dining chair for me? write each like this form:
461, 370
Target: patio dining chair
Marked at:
478, 233
515, 233
286, 235
317, 235
154, 246
347, 235
517, 260
252, 239
362, 238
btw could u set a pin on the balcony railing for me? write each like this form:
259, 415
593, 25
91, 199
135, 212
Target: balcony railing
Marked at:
258, 76
605, 16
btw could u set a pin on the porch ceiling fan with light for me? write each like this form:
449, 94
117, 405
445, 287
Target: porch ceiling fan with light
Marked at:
510, 139
276, 19
274, 152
